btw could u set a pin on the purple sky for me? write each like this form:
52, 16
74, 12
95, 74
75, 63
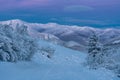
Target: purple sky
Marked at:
78, 12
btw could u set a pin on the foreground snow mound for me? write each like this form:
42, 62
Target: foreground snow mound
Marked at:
60, 56
32, 71
64, 64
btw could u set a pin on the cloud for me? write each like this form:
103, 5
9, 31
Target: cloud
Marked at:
86, 21
34, 2
81, 21
78, 8
21, 4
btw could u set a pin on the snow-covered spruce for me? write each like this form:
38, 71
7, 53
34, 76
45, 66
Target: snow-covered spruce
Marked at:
106, 56
94, 52
16, 44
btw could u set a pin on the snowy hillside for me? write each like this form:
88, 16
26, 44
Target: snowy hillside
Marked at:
65, 64
23, 57
61, 34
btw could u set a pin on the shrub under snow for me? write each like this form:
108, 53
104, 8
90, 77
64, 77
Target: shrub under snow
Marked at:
47, 51
16, 44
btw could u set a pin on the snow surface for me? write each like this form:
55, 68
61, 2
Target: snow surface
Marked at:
65, 64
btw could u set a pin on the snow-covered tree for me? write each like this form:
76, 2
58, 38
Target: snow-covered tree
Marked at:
111, 57
16, 44
94, 52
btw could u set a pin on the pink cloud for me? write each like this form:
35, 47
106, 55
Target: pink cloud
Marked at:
34, 2
14, 4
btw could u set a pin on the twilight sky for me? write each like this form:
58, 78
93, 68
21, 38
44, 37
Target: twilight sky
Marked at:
96, 13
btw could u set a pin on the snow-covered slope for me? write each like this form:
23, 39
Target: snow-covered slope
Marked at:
65, 33
65, 64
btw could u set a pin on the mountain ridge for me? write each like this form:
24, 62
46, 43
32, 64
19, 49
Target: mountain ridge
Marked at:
64, 34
